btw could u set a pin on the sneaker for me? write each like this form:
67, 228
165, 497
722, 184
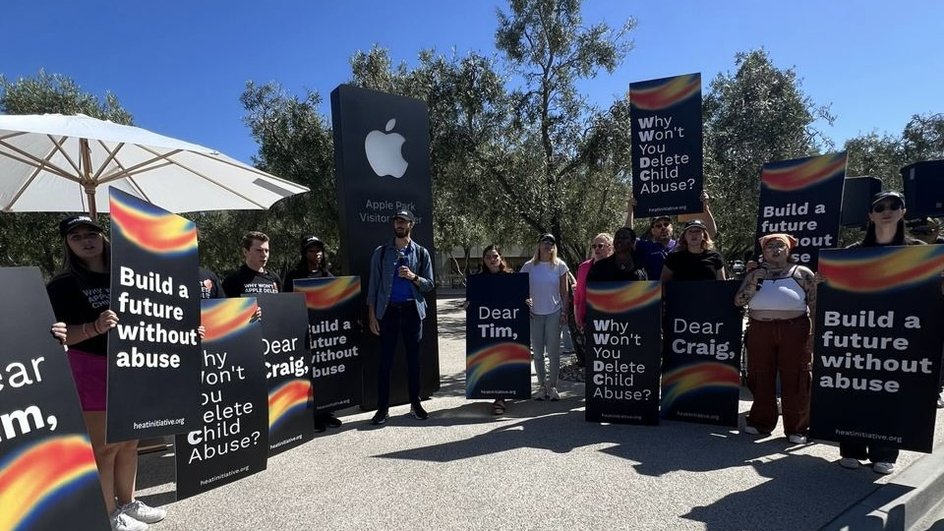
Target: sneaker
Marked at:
143, 513
417, 412
122, 522
796, 438
333, 422
850, 463
541, 394
884, 468
751, 430
380, 417
553, 394
940, 400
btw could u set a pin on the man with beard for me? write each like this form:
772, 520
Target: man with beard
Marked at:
253, 277
400, 273
659, 243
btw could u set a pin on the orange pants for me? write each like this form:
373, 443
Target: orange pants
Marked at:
779, 347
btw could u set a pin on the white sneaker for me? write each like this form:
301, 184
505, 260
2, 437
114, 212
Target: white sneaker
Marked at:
797, 439
122, 522
751, 430
143, 513
541, 394
884, 468
850, 463
553, 394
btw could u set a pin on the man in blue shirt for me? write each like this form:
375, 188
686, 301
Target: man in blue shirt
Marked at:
400, 273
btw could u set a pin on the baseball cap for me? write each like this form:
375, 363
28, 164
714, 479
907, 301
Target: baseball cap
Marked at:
71, 222
695, 224
547, 237
308, 241
405, 215
885, 194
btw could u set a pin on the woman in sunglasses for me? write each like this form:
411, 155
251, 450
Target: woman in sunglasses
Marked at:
886, 227
602, 246
781, 297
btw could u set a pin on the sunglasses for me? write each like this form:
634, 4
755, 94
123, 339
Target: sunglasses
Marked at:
882, 207
661, 225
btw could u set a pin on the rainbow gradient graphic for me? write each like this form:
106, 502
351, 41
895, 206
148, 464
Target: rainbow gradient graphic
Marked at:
329, 293
789, 176
632, 296
224, 318
670, 92
880, 269
151, 228
33, 479
492, 358
288, 399
700, 376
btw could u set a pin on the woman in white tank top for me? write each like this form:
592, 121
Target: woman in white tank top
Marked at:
781, 297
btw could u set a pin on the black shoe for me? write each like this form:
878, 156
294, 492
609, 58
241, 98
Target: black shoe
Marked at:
333, 422
417, 412
380, 417
320, 426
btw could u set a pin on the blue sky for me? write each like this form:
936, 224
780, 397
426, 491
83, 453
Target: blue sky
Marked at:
180, 67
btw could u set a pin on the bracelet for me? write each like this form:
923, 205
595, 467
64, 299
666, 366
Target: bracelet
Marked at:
95, 326
85, 331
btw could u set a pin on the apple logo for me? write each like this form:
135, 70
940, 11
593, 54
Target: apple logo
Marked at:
383, 151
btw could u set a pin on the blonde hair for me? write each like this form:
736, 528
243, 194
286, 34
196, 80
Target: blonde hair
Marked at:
706, 243
537, 255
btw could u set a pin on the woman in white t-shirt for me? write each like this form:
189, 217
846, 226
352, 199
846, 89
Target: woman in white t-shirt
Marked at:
548, 282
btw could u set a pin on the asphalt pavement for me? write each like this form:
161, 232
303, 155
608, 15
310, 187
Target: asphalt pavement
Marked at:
541, 466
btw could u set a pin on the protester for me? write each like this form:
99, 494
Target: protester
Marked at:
886, 227
781, 297
547, 281
210, 285
659, 242
253, 277
602, 247
400, 273
80, 298
623, 264
312, 264
494, 264
694, 258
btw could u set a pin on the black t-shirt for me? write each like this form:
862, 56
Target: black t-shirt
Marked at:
608, 270
210, 285
76, 300
245, 281
288, 285
685, 265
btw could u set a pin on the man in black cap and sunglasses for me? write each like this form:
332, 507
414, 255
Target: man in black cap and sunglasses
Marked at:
400, 273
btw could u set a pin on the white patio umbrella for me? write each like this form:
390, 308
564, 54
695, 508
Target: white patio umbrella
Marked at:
60, 163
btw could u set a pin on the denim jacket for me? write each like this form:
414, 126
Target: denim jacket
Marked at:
381, 276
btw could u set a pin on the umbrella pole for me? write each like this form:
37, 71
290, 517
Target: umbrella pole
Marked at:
87, 183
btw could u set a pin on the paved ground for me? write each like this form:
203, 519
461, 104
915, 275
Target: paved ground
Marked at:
541, 466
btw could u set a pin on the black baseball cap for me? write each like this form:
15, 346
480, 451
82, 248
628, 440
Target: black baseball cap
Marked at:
695, 224
547, 237
308, 241
71, 222
886, 194
405, 215
657, 219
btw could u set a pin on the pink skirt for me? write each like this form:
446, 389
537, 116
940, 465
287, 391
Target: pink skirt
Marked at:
90, 372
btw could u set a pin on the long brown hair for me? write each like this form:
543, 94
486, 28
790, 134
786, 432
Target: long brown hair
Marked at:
74, 265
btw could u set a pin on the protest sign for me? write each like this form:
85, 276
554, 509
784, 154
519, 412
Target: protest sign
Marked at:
877, 346
803, 198
623, 327
232, 443
667, 145
334, 340
701, 355
288, 372
154, 351
48, 478
497, 353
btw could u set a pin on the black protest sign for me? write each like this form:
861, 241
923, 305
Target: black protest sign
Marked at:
877, 346
667, 145
497, 353
701, 353
334, 340
803, 198
285, 347
154, 352
234, 440
623, 329
48, 478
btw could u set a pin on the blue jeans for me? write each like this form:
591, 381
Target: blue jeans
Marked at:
546, 334
399, 319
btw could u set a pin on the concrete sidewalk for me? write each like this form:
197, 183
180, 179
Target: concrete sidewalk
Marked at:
540, 466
